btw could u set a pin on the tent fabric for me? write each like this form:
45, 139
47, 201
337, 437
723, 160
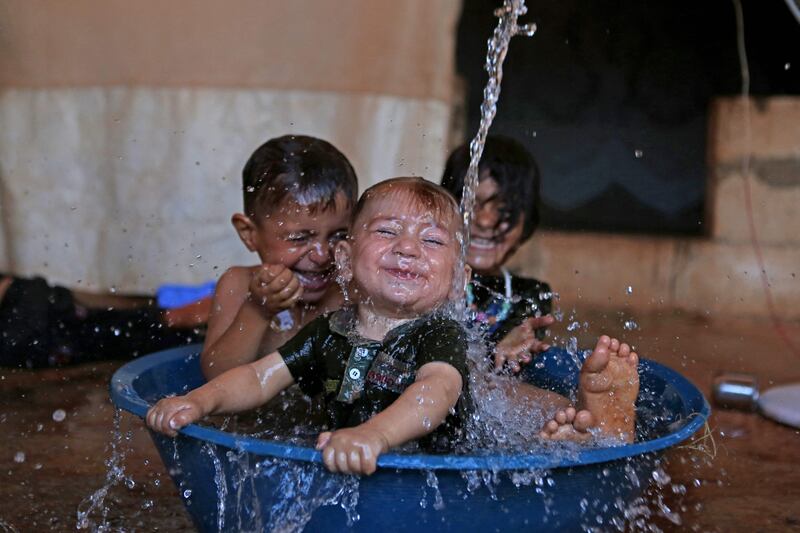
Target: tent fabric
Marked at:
125, 125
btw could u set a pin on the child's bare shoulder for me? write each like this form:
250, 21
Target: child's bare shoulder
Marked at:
234, 284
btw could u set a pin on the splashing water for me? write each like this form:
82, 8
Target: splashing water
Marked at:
221, 486
114, 476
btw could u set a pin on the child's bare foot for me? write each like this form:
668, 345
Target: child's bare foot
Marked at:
609, 384
569, 424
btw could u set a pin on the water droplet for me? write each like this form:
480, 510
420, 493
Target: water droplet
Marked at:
638, 154
59, 415
630, 325
787, 66
187, 493
629, 290
19, 457
661, 477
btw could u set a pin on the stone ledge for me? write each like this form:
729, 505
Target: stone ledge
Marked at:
774, 128
774, 210
696, 275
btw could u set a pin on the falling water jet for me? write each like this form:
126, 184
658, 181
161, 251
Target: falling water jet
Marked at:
507, 28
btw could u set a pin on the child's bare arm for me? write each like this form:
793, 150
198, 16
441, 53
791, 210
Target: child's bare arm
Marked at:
239, 389
245, 301
418, 411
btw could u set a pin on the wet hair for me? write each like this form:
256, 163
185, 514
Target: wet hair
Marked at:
419, 191
514, 170
309, 170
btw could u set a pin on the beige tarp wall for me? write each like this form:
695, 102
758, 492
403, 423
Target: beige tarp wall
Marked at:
124, 124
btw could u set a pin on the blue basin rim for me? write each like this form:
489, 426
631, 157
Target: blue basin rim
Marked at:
124, 396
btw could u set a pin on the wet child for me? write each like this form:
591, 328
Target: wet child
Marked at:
514, 311
390, 365
299, 192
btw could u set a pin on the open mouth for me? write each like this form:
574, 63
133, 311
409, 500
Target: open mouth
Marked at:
402, 274
481, 243
314, 281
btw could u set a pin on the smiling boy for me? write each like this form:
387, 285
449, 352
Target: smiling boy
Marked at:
390, 366
298, 195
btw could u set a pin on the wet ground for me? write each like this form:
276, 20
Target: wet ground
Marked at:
56, 426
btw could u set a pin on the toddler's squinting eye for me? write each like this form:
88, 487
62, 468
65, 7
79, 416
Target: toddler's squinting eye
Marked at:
386, 232
338, 236
297, 238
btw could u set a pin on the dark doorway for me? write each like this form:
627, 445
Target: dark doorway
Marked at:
612, 98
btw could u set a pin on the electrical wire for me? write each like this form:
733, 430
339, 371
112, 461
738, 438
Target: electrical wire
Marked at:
748, 200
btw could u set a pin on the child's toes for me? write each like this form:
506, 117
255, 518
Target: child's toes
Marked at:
624, 350
583, 420
614, 346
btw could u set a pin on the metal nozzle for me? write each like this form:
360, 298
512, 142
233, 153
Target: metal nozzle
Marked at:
735, 391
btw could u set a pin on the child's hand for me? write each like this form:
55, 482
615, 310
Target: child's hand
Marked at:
521, 343
274, 288
171, 414
352, 450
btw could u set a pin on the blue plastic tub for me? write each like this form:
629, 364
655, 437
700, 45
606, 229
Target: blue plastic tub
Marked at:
584, 489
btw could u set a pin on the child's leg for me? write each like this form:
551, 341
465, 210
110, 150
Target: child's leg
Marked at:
190, 315
92, 300
608, 387
527, 396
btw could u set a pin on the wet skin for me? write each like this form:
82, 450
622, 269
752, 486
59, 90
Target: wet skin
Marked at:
401, 257
295, 245
492, 241
608, 386
299, 237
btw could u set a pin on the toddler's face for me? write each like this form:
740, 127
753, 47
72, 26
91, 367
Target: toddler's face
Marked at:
403, 258
302, 238
491, 240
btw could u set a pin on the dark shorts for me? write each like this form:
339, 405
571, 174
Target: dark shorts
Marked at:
41, 326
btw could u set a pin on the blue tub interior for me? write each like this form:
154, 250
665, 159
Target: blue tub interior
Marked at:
582, 488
